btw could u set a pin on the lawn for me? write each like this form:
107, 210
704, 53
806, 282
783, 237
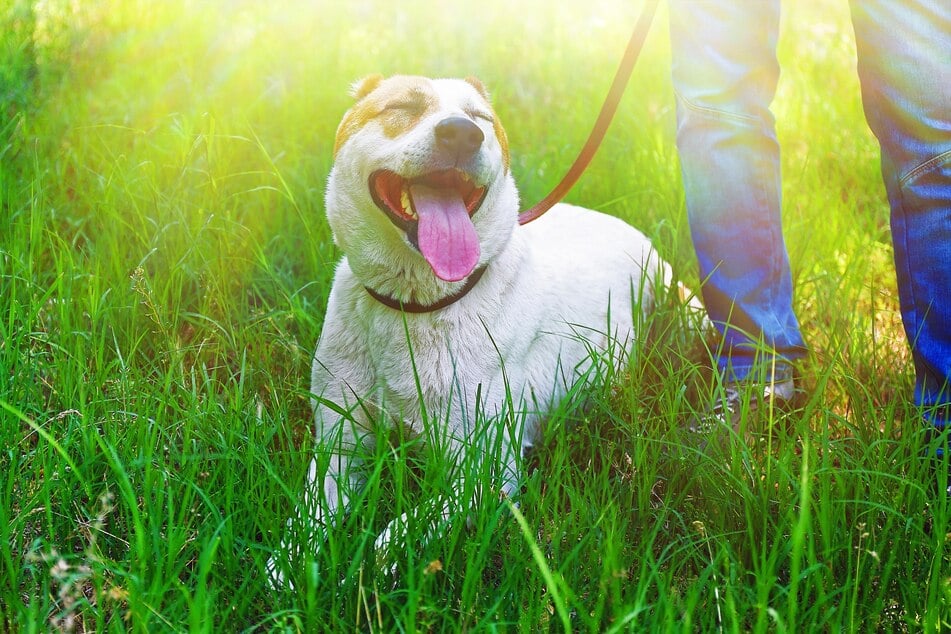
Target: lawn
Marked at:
164, 267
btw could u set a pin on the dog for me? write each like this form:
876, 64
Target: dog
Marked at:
443, 306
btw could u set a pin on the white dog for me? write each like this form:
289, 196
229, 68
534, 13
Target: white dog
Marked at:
443, 306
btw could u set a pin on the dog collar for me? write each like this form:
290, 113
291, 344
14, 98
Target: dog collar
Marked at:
414, 307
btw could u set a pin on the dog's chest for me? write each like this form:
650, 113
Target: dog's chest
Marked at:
433, 363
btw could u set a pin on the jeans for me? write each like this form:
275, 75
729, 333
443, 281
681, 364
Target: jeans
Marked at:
725, 73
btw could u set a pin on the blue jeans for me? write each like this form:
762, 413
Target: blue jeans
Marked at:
725, 73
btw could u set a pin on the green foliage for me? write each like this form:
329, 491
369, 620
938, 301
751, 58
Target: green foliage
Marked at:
164, 264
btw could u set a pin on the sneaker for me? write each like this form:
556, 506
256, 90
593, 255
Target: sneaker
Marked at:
727, 410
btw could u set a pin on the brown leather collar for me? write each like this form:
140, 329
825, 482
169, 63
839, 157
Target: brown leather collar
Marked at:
413, 307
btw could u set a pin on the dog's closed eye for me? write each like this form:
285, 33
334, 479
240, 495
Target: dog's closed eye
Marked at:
413, 107
480, 114
414, 104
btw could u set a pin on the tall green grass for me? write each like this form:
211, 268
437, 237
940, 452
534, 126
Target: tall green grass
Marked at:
164, 266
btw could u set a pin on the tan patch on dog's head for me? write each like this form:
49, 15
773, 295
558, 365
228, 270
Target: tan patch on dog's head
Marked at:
399, 102
476, 83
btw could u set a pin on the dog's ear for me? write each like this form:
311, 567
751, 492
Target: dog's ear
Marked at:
365, 86
478, 85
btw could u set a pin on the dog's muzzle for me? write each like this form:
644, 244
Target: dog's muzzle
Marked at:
435, 209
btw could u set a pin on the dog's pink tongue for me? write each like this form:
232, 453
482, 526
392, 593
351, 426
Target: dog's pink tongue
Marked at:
446, 236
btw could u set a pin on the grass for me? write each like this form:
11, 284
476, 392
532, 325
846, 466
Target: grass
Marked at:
164, 264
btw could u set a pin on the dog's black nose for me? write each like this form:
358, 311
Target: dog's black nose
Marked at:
459, 135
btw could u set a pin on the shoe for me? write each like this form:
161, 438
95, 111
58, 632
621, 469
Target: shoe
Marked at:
728, 410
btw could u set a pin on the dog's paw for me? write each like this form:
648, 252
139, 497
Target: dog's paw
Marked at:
293, 565
285, 574
393, 542
388, 544
275, 574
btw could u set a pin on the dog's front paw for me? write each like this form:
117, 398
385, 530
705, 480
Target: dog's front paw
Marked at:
294, 565
388, 544
275, 574
287, 574
393, 542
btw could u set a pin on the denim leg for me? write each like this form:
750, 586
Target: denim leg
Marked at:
725, 73
904, 64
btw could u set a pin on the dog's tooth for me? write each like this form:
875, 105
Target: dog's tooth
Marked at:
404, 201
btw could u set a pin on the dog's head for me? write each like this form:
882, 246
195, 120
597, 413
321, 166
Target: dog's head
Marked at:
421, 180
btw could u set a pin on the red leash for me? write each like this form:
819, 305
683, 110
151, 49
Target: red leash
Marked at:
611, 102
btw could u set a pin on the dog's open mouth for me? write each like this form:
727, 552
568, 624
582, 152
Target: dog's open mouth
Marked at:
435, 210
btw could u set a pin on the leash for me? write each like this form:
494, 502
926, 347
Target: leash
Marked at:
603, 121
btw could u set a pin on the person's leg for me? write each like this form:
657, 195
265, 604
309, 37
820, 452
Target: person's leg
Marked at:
725, 73
904, 64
